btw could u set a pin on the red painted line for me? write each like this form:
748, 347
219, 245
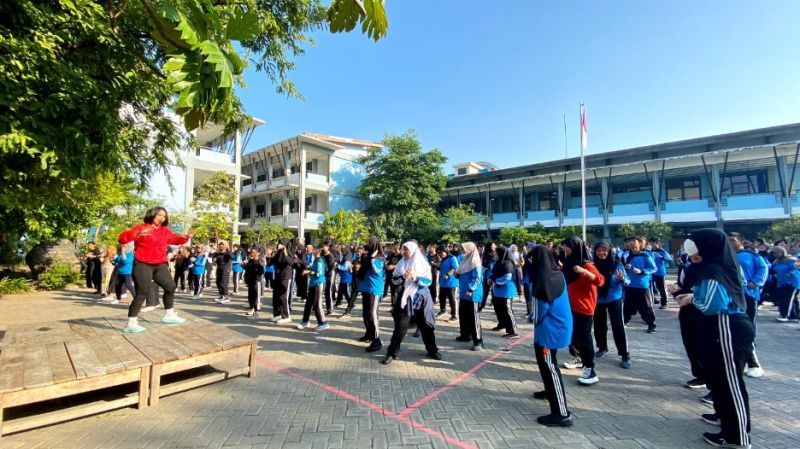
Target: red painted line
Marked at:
374, 407
433, 394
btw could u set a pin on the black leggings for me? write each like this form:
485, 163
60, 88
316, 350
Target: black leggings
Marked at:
344, 290
469, 319
639, 300
253, 297
447, 294
370, 315
610, 311
582, 338
144, 275
505, 314
401, 323
314, 301
658, 286
124, 280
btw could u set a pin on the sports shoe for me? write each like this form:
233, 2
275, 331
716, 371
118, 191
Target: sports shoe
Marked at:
555, 420
275, 319
575, 363
707, 399
716, 439
477, 347
511, 336
754, 371
600, 354
148, 308
173, 319
625, 363
196, 297
250, 312
302, 325
453, 319
284, 321
224, 300
782, 319
417, 333
588, 377
254, 316
388, 359
540, 395
109, 300
710, 418
435, 355
322, 326
375, 345
651, 329
219, 299
133, 329
695, 383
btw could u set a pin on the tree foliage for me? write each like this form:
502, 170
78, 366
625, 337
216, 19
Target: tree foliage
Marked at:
87, 86
647, 229
401, 177
515, 236
458, 222
214, 206
265, 233
788, 230
344, 227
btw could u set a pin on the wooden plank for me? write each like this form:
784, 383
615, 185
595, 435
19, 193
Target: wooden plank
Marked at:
251, 373
154, 350
144, 387
127, 354
241, 353
36, 333
111, 363
84, 360
37, 372
220, 335
12, 369
179, 348
60, 364
196, 344
80, 327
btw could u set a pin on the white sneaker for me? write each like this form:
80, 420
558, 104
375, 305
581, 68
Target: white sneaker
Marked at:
148, 308
588, 377
254, 316
575, 363
284, 321
754, 371
275, 319
302, 325
250, 312
224, 300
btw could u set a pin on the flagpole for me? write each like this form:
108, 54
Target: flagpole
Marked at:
566, 153
583, 170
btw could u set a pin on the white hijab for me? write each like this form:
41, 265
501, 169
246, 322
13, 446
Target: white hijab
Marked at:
471, 260
419, 267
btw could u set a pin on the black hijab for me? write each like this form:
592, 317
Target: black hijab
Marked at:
548, 282
606, 267
488, 256
719, 263
347, 256
579, 256
373, 245
504, 264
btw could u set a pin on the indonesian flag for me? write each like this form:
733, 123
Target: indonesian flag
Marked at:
584, 128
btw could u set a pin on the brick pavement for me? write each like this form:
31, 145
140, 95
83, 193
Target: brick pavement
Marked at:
323, 391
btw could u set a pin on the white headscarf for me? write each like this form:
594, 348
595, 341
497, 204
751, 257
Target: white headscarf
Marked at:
513, 252
471, 260
419, 267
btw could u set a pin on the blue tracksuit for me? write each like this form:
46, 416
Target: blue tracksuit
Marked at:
504, 286
552, 322
236, 262
317, 275
755, 270
450, 263
199, 265
345, 272
372, 283
712, 298
786, 273
473, 282
643, 262
615, 286
124, 263
662, 259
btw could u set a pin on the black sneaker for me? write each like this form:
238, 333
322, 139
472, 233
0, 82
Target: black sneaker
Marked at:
651, 329
463, 339
555, 420
707, 399
695, 383
388, 359
710, 418
435, 355
716, 439
540, 395
375, 346
417, 333
600, 354
364, 339
625, 363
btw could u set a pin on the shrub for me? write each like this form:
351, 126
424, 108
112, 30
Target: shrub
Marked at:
10, 286
58, 275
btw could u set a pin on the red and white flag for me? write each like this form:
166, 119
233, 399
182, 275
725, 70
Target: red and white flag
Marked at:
584, 128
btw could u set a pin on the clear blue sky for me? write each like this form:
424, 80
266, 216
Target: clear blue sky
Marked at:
492, 80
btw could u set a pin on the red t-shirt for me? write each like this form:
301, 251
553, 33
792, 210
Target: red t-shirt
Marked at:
583, 291
150, 244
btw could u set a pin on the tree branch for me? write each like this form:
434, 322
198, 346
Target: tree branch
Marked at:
157, 23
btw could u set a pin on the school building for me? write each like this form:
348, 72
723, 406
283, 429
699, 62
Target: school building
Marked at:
740, 181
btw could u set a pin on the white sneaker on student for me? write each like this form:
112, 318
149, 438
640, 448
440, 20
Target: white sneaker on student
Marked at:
224, 300
275, 319
754, 371
284, 321
575, 363
254, 316
588, 377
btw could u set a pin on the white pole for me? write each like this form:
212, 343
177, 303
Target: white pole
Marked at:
583, 180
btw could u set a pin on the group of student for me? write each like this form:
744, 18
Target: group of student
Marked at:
569, 291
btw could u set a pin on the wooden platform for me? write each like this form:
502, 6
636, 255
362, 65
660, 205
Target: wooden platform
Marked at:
46, 361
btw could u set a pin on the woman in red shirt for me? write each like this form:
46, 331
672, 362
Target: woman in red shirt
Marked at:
582, 278
150, 264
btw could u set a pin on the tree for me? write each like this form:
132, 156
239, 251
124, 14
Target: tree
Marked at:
344, 227
459, 222
214, 205
266, 233
788, 230
88, 88
401, 177
424, 225
647, 229
515, 236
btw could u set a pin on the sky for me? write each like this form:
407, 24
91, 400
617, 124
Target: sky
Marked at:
493, 80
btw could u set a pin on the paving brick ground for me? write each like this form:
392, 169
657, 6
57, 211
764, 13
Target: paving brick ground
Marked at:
321, 390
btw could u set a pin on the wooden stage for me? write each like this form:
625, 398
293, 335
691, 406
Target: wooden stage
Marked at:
53, 360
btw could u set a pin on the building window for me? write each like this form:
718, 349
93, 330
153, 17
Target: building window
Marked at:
261, 178
310, 204
276, 208
462, 171
292, 205
245, 212
744, 183
310, 166
246, 182
277, 172
506, 202
260, 210
548, 201
630, 188
295, 169
683, 189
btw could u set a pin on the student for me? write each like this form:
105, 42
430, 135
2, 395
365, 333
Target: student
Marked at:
504, 290
787, 283
222, 260
181, 266
316, 282
150, 253
330, 265
412, 275
582, 280
237, 266
432, 256
516, 258
552, 330
283, 261
253, 269
392, 259
755, 271
93, 270
487, 262
728, 333
662, 259
269, 271
371, 285
197, 264
527, 276
344, 291
301, 265
448, 264
638, 294
124, 265
609, 304
470, 293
